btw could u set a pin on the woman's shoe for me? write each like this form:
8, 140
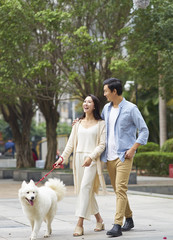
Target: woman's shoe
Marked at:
79, 231
99, 227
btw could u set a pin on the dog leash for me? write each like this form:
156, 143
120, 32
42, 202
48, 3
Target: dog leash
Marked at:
46, 174
54, 165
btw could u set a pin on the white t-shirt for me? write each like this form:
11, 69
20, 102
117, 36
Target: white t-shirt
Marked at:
112, 152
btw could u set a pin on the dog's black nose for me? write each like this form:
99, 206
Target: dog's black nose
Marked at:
32, 198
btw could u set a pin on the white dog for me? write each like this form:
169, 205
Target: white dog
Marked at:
40, 203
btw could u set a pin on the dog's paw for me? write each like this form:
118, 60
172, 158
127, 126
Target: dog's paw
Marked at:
33, 237
47, 234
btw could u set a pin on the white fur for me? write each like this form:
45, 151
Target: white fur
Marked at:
40, 203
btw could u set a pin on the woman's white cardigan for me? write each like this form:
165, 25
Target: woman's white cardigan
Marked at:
95, 155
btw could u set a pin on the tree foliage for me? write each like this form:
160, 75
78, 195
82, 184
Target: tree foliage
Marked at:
149, 37
51, 47
15, 105
150, 52
91, 43
29, 73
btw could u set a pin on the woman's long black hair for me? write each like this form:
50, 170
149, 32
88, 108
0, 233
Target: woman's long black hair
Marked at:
96, 111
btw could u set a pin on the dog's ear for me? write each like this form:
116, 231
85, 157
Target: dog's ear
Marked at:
32, 182
24, 184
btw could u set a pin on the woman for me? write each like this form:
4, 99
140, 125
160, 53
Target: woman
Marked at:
87, 142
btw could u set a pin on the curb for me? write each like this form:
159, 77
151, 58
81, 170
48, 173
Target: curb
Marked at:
37, 174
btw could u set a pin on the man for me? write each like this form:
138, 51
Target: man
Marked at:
122, 119
10, 147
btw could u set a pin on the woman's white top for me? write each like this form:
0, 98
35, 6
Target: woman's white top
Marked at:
87, 138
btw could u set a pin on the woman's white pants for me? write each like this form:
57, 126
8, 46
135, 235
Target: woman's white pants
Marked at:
86, 201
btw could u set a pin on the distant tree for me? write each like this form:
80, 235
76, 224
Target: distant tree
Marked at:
59, 46
15, 105
29, 74
88, 47
150, 52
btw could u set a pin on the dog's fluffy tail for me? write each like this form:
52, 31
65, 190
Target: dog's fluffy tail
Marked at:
58, 186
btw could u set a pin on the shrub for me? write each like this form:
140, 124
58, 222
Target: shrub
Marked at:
63, 128
155, 163
167, 146
149, 147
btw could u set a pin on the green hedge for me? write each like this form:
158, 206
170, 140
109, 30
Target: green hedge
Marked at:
155, 163
167, 146
149, 147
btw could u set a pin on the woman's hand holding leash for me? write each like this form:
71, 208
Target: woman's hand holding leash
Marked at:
58, 163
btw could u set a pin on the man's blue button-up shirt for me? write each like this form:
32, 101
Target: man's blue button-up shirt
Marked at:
128, 122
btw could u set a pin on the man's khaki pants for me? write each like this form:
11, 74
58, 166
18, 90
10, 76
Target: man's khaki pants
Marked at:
119, 173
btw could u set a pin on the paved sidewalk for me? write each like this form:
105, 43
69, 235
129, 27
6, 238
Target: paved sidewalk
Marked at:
153, 216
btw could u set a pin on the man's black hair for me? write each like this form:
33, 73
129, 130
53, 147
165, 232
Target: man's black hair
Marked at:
114, 83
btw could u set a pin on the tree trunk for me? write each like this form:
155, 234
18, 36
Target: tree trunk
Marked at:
162, 114
51, 142
49, 110
19, 118
24, 154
